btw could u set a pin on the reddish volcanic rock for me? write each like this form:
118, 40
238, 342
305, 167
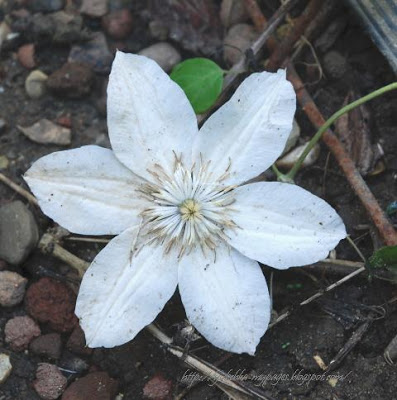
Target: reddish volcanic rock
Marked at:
118, 24
20, 331
52, 302
96, 385
158, 388
26, 56
49, 383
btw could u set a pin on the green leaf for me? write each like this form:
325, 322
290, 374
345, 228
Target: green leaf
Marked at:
201, 79
385, 257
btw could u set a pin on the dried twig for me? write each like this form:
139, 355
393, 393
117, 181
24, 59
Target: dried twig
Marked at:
214, 374
24, 193
319, 294
285, 47
349, 345
255, 48
48, 245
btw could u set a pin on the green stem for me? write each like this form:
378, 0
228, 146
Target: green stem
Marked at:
291, 174
280, 176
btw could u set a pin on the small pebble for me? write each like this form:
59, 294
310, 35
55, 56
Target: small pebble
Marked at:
5, 367
52, 302
19, 233
164, 54
118, 23
59, 27
94, 8
94, 53
158, 388
237, 41
47, 5
49, 345
49, 383
35, 84
64, 120
95, 385
4, 32
4, 162
72, 80
233, 12
20, 331
12, 288
290, 159
46, 132
158, 30
76, 342
26, 56
335, 65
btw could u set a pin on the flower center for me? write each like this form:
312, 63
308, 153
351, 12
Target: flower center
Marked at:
189, 207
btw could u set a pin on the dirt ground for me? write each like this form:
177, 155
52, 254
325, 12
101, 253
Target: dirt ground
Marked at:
321, 328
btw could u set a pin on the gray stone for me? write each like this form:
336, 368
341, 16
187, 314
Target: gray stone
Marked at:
59, 27
45, 131
19, 233
47, 5
94, 8
94, 53
233, 12
237, 41
5, 367
12, 288
4, 32
164, 54
158, 30
335, 64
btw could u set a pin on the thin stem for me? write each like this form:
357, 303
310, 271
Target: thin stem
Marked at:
358, 251
280, 176
18, 189
291, 174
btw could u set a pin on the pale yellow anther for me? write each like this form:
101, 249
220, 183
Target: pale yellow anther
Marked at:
189, 209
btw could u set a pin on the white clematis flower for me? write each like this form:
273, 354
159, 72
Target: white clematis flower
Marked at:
173, 195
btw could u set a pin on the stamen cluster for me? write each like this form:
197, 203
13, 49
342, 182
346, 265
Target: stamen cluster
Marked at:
190, 207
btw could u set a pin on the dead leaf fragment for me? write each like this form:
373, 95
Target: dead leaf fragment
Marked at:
45, 131
354, 132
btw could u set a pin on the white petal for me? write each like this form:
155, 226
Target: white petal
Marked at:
226, 299
86, 190
283, 225
251, 129
149, 115
123, 291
